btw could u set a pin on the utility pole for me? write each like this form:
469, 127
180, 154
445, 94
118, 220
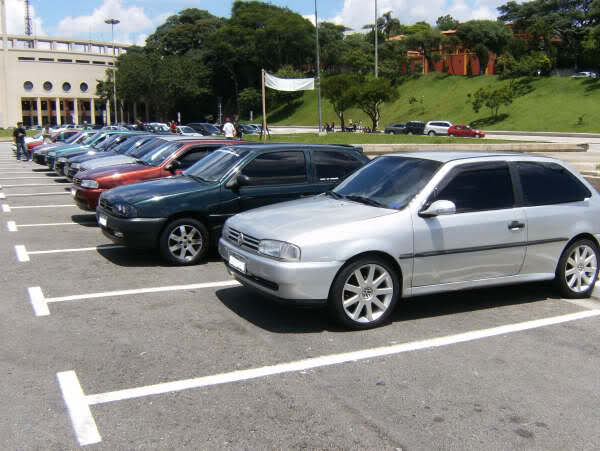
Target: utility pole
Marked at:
376, 30
4, 93
318, 69
112, 23
27, 19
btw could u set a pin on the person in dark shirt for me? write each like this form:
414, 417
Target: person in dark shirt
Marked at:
19, 135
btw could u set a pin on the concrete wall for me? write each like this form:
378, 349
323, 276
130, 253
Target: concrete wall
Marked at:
382, 149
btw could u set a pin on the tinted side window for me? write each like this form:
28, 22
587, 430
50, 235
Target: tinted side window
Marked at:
277, 168
334, 166
479, 188
549, 184
192, 156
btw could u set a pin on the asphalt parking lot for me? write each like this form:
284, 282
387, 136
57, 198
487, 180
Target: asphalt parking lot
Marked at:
108, 348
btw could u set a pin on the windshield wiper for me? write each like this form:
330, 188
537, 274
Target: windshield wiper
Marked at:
141, 162
334, 195
366, 201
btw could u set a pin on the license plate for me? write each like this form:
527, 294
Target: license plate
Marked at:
73, 192
237, 264
103, 220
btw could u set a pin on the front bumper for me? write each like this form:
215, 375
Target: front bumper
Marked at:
50, 161
39, 158
305, 283
139, 233
86, 198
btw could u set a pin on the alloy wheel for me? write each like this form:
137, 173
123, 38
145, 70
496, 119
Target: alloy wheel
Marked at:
580, 268
185, 242
367, 294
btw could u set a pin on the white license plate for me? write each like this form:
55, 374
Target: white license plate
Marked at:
73, 192
237, 264
102, 220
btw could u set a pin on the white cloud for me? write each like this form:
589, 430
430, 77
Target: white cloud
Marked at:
357, 13
15, 18
133, 27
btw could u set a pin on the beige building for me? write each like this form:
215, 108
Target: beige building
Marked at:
45, 80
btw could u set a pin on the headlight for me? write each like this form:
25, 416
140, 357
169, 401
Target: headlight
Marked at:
91, 152
75, 165
89, 184
279, 249
125, 210
62, 160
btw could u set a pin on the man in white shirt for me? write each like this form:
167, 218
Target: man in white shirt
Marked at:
228, 128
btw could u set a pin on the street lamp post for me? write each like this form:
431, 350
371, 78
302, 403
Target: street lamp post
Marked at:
376, 29
318, 70
112, 23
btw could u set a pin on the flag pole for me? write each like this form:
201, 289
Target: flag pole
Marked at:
264, 105
318, 70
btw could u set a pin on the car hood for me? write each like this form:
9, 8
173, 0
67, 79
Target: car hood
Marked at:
108, 161
87, 156
113, 170
288, 221
60, 150
156, 190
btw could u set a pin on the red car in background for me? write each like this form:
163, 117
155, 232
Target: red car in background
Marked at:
167, 160
465, 131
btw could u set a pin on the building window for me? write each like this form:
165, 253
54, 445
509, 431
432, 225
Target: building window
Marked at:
47, 60
66, 86
28, 86
47, 86
99, 62
82, 61
26, 58
84, 87
62, 60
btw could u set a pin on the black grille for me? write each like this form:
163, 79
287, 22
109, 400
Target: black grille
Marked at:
76, 181
106, 205
246, 241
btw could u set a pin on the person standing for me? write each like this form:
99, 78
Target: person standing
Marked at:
228, 128
19, 135
46, 134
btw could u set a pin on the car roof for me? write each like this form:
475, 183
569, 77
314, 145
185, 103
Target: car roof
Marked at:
446, 156
296, 146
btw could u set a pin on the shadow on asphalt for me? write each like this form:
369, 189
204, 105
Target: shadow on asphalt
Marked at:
141, 258
85, 220
281, 318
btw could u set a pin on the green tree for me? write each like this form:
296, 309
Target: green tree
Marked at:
447, 22
338, 89
484, 36
490, 98
427, 40
332, 46
359, 56
250, 100
371, 94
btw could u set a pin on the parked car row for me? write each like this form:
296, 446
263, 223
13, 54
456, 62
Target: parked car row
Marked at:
434, 128
324, 225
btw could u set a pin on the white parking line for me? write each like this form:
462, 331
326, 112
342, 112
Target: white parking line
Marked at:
28, 172
13, 227
86, 431
9, 208
59, 193
40, 303
32, 178
28, 184
5, 208
23, 254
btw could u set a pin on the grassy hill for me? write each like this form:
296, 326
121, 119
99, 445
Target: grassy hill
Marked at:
543, 104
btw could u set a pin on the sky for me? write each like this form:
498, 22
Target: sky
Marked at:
84, 19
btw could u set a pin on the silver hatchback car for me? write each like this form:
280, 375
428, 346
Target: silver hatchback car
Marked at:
421, 223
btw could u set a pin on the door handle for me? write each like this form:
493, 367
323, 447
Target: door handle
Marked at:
516, 225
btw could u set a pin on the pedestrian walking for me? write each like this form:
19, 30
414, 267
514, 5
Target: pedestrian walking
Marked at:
228, 128
19, 135
46, 134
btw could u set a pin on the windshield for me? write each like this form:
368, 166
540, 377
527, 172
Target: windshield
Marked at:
162, 153
148, 145
131, 142
90, 139
73, 138
185, 129
211, 128
391, 182
216, 164
105, 144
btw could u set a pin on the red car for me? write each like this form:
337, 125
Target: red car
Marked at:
170, 158
465, 131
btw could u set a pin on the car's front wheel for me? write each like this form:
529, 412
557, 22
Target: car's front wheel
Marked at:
431, 133
364, 293
577, 270
184, 242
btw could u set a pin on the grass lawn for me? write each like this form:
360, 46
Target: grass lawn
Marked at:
9, 133
371, 138
560, 104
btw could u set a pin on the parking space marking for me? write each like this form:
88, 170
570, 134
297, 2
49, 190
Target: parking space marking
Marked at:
82, 420
28, 172
32, 178
28, 184
9, 208
23, 254
40, 303
13, 227
82, 402
58, 193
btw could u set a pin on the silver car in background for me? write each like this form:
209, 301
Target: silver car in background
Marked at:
421, 223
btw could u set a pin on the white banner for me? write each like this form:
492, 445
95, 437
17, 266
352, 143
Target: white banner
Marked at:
289, 84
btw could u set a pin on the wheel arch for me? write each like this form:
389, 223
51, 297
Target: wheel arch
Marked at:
581, 236
185, 214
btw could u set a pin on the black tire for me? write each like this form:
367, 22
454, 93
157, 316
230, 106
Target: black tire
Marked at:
367, 298
431, 133
577, 287
184, 242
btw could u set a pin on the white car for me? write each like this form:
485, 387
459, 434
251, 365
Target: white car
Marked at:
433, 128
584, 75
184, 130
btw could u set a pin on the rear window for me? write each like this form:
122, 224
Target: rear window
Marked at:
550, 184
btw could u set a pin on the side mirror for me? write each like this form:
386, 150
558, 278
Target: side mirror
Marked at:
439, 208
173, 166
238, 181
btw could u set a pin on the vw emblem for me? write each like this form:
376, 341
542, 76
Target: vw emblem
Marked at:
240, 239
